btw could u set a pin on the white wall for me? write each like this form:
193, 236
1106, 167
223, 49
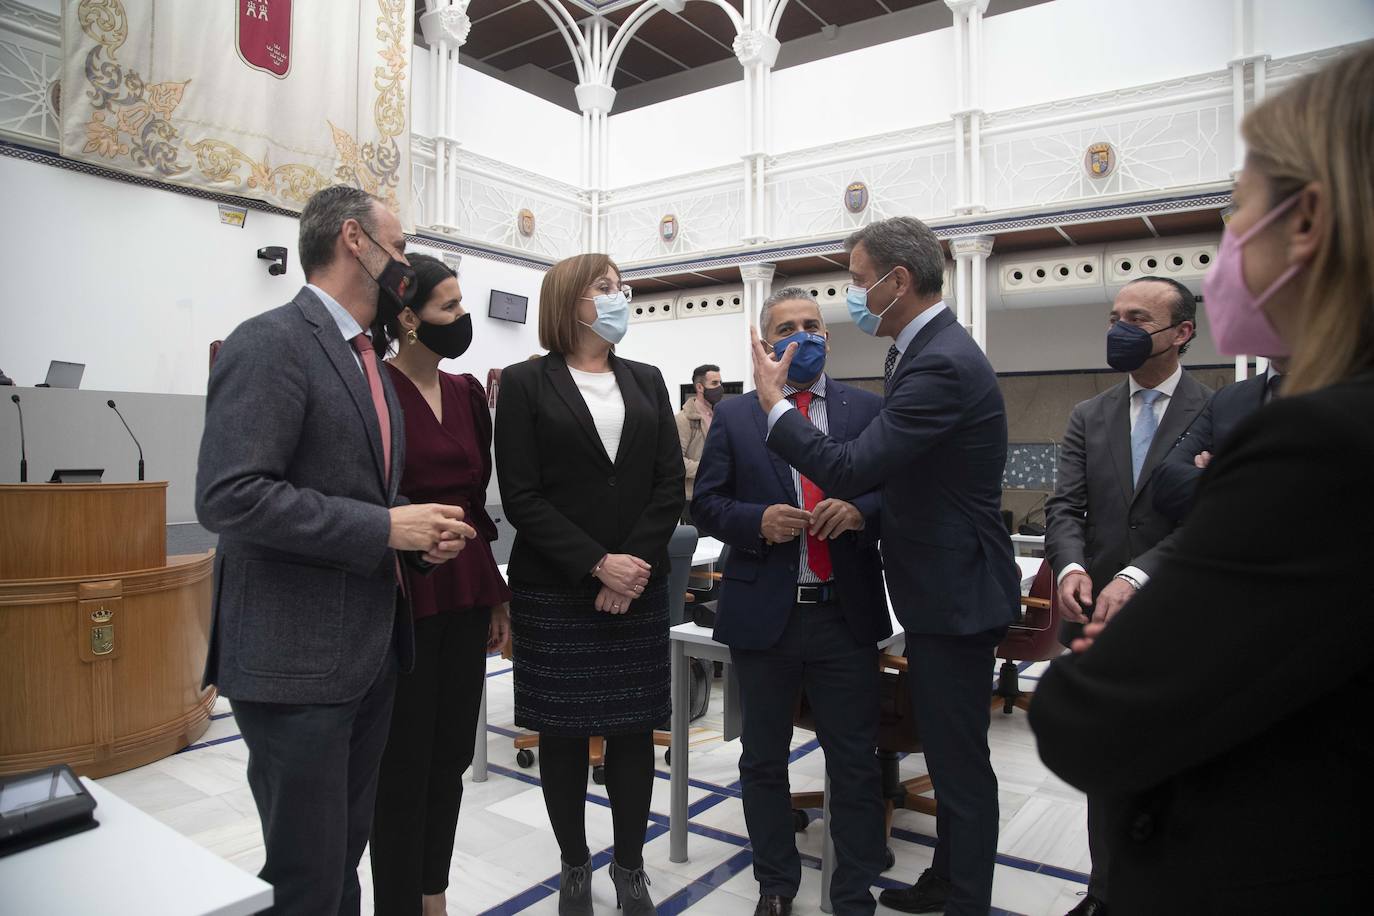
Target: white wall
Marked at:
1284, 27
887, 87
679, 346
1100, 47
498, 121
135, 283
686, 134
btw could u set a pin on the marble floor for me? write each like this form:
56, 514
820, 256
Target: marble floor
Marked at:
505, 858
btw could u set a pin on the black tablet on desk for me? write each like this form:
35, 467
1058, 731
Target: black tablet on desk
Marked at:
42, 806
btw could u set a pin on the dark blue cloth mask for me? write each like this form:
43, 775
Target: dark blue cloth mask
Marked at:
808, 361
1129, 345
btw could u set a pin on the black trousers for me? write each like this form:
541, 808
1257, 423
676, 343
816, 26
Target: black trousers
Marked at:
951, 678
313, 772
817, 652
629, 787
1099, 840
420, 787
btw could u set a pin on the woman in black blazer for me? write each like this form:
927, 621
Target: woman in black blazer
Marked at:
591, 478
1221, 709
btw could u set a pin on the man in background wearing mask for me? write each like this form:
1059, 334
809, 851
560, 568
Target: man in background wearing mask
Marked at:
694, 422
938, 450
801, 607
1104, 532
300, 461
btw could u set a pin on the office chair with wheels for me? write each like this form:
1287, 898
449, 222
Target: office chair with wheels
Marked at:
1033, 638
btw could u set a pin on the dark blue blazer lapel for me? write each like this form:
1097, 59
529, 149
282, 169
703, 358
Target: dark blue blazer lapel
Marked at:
345, 362
836, 409
934, 326
781, 468
1117, 422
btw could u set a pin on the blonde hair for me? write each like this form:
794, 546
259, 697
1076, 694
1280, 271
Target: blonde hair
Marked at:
1322, 130
565, 282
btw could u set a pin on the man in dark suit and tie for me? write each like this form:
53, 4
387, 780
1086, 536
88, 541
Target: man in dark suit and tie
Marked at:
1103, 534
1175, 480
802, 608
299, 465
937, 450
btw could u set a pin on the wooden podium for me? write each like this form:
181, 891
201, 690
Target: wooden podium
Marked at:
102, 637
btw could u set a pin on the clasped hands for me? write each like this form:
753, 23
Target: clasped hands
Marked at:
831, 518
622, 579
1076, 597
436, 531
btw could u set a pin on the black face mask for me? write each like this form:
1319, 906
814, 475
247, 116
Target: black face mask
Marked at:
395, 284
713, 395
1129, 346
448, 340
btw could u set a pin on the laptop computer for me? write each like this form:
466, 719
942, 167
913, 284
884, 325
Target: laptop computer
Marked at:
64, 375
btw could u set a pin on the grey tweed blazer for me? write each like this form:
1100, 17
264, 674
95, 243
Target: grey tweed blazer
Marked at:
291, 478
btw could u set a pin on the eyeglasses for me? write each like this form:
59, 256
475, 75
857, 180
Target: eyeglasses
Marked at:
607, 288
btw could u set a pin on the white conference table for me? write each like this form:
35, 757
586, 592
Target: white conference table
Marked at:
691, 641
131, 864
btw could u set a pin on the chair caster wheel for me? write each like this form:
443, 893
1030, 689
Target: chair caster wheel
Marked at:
889, 859
524, 758
599, 775
668, 755
800, 820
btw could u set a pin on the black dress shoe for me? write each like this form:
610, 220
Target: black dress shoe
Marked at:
1089, 906
928, 895
773, 905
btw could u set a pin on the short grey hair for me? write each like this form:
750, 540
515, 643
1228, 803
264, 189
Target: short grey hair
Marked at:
786, 294
323, 218
904, 241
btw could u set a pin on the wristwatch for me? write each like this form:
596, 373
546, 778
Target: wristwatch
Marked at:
1129, 579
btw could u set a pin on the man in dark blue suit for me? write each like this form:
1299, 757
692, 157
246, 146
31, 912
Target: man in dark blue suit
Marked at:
801, 608
937, 449
1176, 478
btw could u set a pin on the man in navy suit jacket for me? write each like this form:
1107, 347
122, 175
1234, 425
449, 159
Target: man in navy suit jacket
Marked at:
1176, 478
801, 607
938, 449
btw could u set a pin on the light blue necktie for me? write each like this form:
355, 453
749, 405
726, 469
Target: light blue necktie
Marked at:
1144, 431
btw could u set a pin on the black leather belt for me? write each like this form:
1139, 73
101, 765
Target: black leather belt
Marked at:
823, 593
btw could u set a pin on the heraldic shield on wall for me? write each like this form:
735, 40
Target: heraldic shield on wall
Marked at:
150, 100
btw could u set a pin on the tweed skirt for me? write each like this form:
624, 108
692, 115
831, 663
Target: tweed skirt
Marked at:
580, 671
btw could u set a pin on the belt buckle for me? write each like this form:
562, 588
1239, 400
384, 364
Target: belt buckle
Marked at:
807, 588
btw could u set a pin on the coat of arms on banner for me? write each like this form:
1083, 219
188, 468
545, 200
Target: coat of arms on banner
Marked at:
264, 35
525, 220
1100, 160
856, 197
668, 227
173, 91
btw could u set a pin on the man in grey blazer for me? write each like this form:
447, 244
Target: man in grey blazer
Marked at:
299, 465
1104, 532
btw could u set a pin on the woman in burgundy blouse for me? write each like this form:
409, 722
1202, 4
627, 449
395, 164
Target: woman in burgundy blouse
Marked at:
461, 608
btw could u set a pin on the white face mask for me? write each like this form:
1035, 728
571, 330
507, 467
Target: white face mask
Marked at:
612, 316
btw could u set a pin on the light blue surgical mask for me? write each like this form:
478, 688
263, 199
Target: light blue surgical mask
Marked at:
857, 299
808, 360
612, 317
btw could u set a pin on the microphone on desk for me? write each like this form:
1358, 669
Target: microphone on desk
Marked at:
23, 450
112, 406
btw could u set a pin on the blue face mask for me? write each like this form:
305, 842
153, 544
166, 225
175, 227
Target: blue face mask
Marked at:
808, 361
612, 317
857, 300
1129, 346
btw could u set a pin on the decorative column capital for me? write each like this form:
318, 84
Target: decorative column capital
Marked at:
960, 7
971, 246
763, 270
447, 23
594, 97
755, 46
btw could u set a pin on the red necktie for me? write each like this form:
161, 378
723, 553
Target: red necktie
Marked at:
363, 344
817, 550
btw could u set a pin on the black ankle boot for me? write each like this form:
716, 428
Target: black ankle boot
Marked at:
632, 892
575, 890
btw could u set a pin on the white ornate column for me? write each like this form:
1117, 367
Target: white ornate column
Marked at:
757, 51
1244, 54
596, 97
445, 25
758, 286
971, 254
967, 116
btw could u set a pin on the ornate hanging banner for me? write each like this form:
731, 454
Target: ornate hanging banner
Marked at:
262, 98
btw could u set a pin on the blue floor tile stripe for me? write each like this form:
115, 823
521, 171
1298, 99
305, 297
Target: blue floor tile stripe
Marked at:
702, 887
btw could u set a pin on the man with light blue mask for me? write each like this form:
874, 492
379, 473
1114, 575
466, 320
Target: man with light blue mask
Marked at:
937, 450
801, 608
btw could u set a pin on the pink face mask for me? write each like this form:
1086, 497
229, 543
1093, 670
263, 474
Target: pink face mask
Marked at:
1239, 325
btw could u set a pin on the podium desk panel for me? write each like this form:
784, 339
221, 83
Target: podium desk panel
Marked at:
81, 529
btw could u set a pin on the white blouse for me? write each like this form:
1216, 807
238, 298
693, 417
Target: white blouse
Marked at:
602, 394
